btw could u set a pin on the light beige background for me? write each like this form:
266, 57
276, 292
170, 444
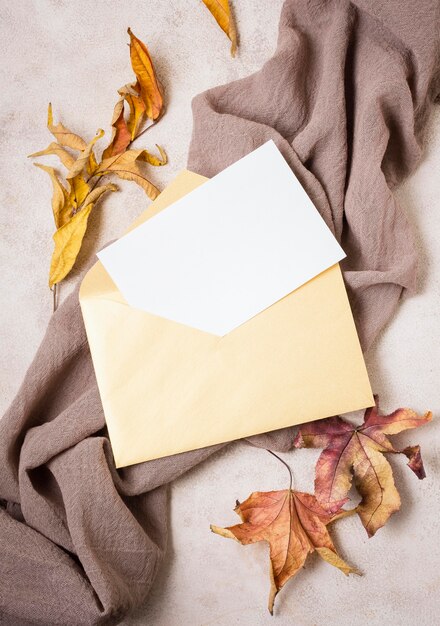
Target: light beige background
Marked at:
74, 53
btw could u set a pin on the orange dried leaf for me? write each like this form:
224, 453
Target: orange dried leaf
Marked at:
150, 90
294, 525
121, 137
221, 10
352, 452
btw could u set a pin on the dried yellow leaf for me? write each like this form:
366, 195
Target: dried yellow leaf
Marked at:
135, 174
142, 65
137, 108
147, 157
92, 164
125, 165
61, 207
78, 191
63, 135
94, 195
55, 149
84, 158
69, 237
221, 10
68, 240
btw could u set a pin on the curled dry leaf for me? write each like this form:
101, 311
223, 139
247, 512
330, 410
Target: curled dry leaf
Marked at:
221, 10
147, 157
94, 195
55, 149
68, 238
147, 83
60, 205
83, 160
78, 191
126, 166
352, 452
63, 135
121, 137
294, 525
137, 108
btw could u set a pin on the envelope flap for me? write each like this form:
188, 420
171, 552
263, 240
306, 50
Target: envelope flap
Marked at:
97, 283
227, 251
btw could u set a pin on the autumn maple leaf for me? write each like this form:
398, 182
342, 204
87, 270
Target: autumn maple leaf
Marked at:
294, 524
352, 452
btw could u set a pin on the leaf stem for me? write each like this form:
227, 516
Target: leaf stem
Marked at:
55, 299
285, 464
155, 123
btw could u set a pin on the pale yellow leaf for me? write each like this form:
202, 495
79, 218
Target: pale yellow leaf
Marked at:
61, 207
83, 159
133, 172
92, 164
63, 135
55, 149
125, 165
68, 240
221, 10
78, 190
94, 195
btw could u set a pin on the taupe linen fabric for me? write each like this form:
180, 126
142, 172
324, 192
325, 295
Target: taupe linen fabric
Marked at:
345, 98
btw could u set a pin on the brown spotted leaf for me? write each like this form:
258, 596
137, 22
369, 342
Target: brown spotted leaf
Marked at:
356, 453
221, 10
294, 525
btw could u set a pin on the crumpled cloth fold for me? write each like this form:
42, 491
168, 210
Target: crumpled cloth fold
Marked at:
345, 97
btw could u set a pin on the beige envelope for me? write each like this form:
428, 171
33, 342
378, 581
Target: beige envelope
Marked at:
168, 388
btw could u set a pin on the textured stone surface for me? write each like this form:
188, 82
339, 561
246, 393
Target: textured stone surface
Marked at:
75, 54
